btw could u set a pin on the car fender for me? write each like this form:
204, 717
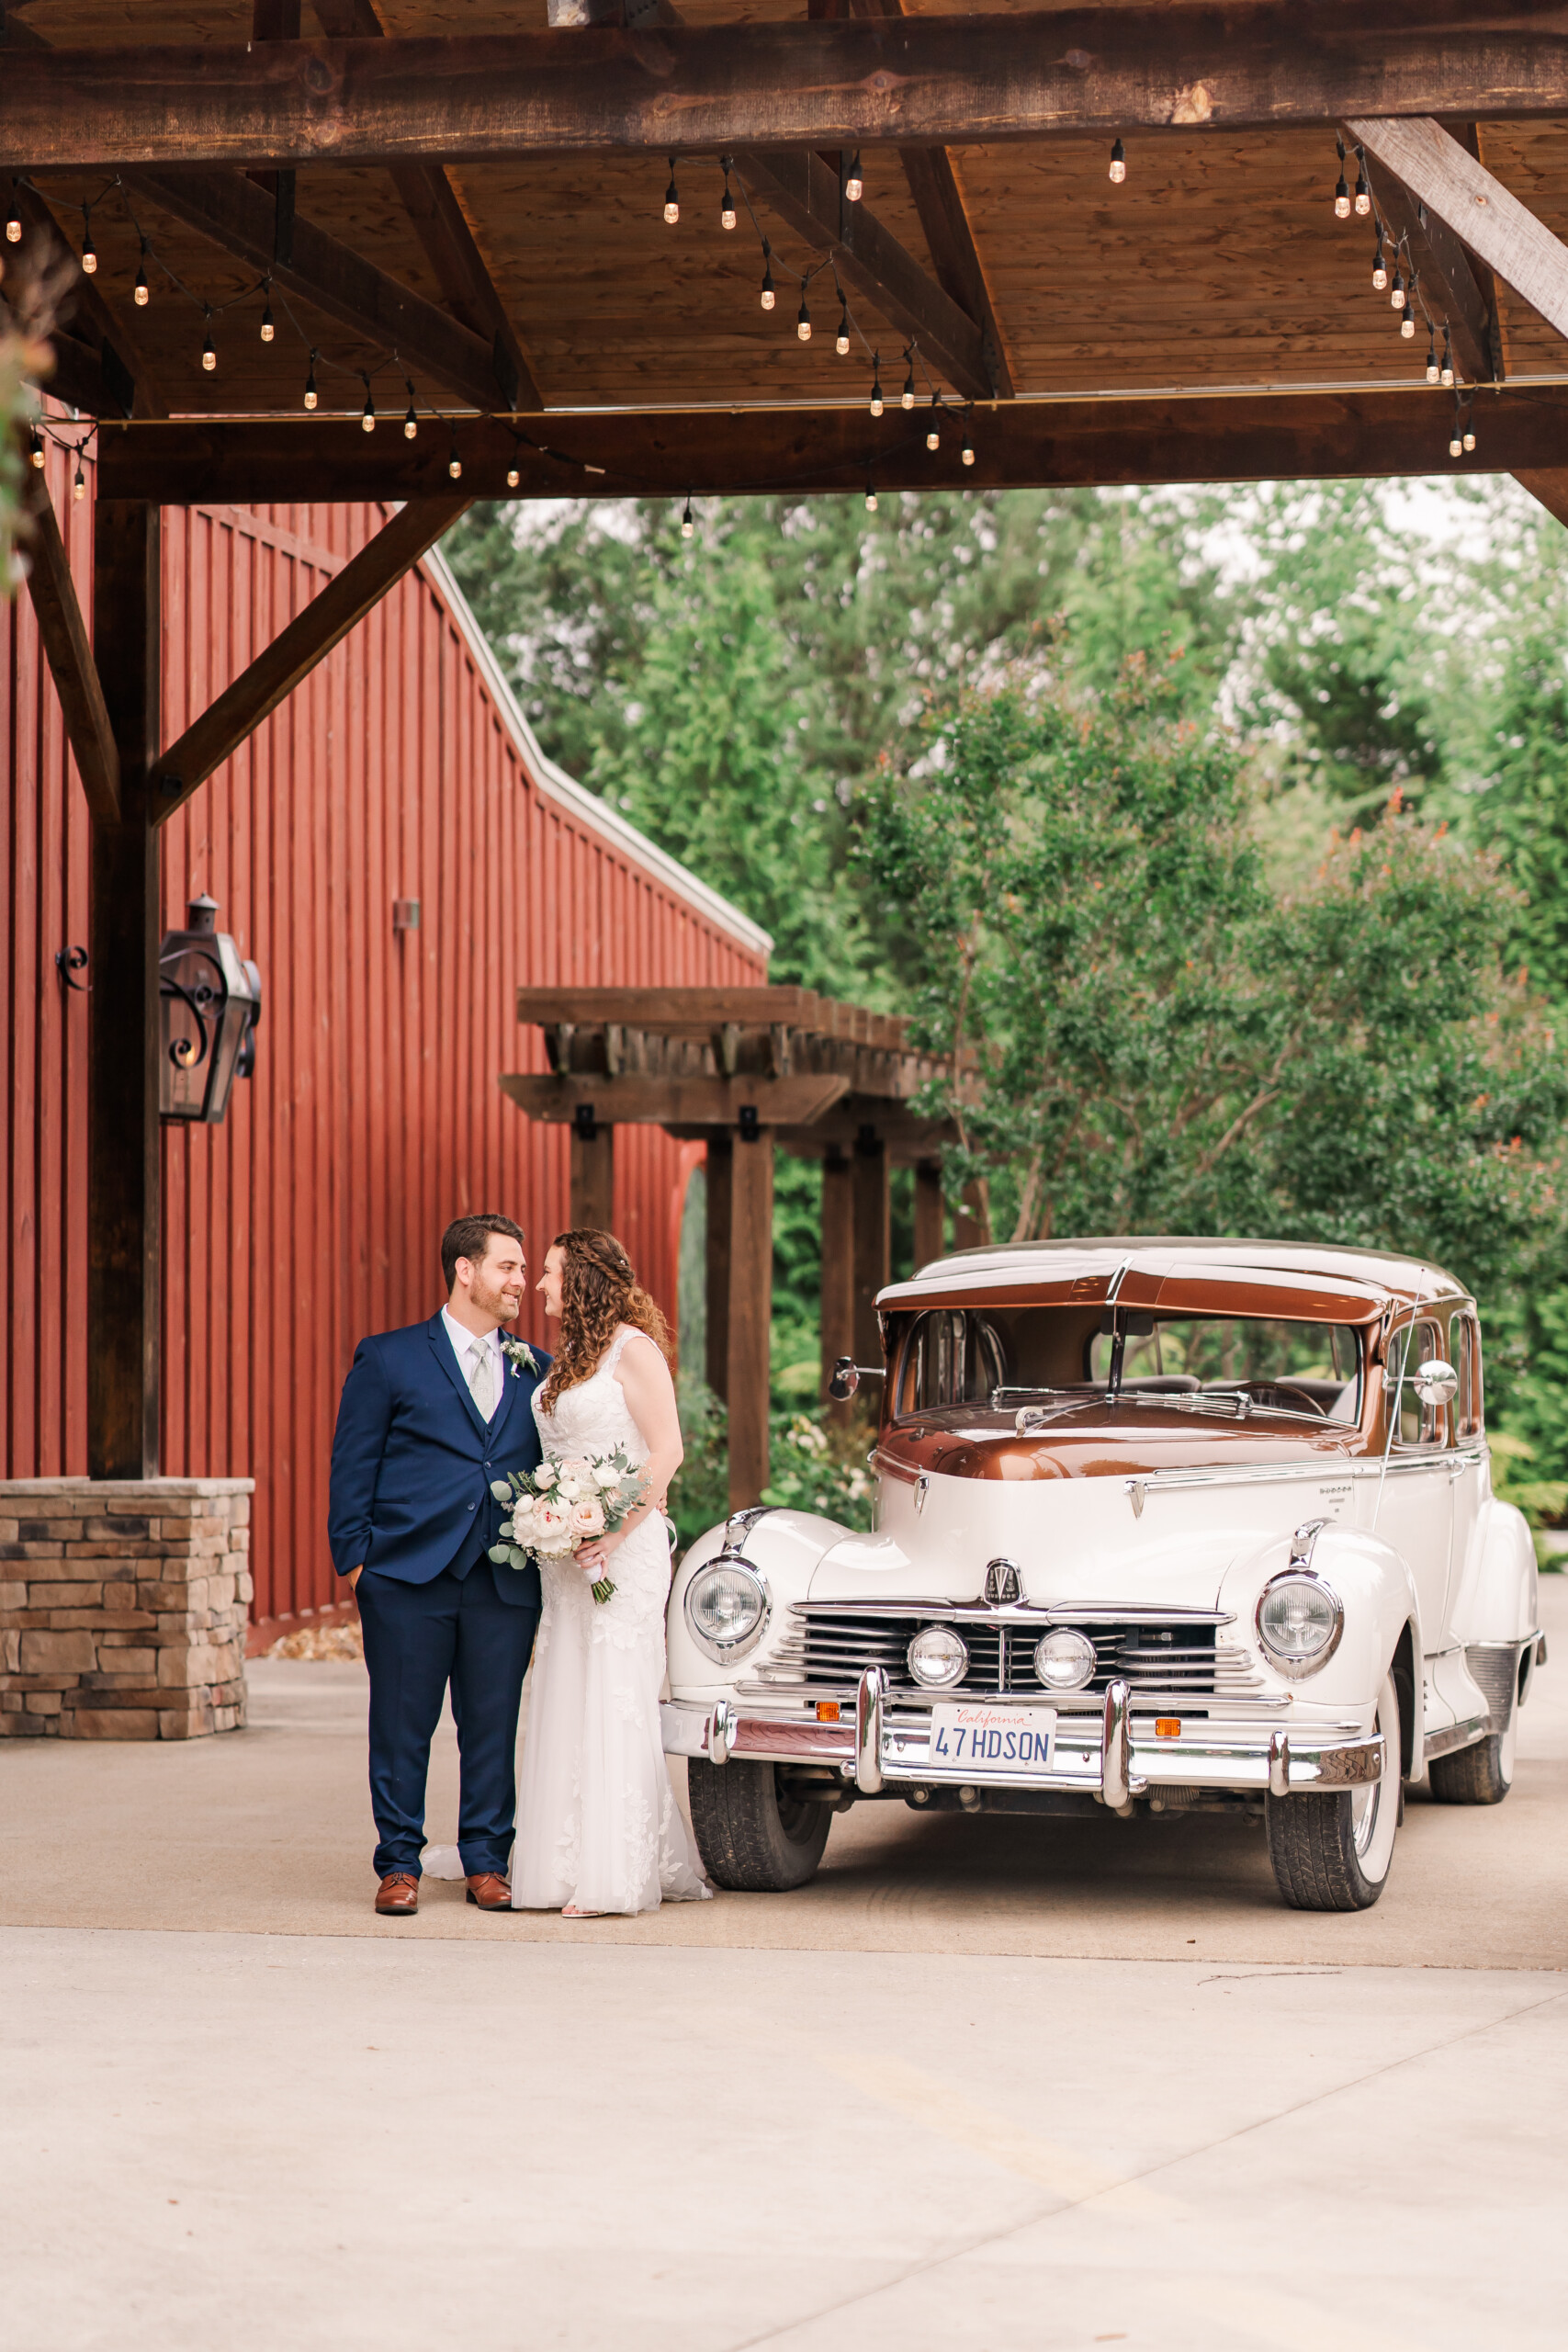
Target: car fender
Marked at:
785, 1547
1498, 1592
1377, 1592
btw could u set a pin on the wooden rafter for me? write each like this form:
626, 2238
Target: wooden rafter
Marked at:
914, 80
1460, 192
800, 452
70, 654
108, 361
296, 649
439, 223
1448, 282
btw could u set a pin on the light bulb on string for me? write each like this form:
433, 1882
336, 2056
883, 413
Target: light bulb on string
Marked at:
802, 320
876, 400
1456, 439
209, 352
1363, 199
906, 396
89, 250
1380, 269
79, 482
310, 383
410, 418
1408, 324
934, 432
768, 297
870, 495
1341, 190
454, 463
141, 293
854, 183
842, 340
268, 329
1445, 373
1118, 163
513, 478
687, 524
367, 413
1396, 291
35, 449
967, 452
727, 202
671, 199
1432, 370
1469, 439
14, 220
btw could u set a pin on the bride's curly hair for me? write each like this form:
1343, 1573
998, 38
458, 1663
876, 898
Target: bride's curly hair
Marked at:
599, 1290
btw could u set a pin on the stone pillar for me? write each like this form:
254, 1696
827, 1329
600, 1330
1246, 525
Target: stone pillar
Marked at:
122, 1607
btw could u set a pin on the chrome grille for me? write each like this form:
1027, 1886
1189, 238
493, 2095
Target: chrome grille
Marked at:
827, 1651
1497, 1672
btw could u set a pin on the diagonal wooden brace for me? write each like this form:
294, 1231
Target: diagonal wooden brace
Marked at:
65, 642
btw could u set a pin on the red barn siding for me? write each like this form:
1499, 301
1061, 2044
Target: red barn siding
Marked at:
312, 1214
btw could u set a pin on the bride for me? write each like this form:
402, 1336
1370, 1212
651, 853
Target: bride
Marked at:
598, 1827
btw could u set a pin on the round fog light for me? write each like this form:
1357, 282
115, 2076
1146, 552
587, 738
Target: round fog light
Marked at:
1299, 1622
938, 1658
1064, 1660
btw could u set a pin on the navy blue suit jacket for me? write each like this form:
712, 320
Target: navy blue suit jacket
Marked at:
413, 1461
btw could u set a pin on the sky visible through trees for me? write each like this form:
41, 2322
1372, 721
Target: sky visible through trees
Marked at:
1230, 828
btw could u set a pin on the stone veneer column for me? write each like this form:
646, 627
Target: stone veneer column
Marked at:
123, 1606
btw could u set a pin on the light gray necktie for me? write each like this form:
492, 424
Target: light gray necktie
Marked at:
480, 1378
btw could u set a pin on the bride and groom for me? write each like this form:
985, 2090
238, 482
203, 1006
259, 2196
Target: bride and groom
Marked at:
431, 1418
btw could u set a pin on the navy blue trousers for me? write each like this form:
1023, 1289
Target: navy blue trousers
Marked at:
419, 1638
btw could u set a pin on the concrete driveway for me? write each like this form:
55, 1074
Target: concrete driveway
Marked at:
983, 2086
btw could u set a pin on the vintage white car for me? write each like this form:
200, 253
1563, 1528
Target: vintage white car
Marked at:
1163, 1526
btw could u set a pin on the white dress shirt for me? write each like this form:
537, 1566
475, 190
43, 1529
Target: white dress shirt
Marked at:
463, 1344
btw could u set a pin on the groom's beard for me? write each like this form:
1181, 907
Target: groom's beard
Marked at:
506, 1305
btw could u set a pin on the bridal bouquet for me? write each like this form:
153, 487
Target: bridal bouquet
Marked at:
564, 1504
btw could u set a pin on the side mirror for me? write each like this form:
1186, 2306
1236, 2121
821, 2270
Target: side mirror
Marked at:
1436, 1383
845, 1380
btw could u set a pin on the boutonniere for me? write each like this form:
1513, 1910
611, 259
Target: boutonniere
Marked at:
520, 1355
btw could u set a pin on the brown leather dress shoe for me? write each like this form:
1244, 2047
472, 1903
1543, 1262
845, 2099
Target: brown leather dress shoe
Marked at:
489, 1891
397, 1895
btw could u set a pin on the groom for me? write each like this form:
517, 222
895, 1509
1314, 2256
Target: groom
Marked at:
430, 1416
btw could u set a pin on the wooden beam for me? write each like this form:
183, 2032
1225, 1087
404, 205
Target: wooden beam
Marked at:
1550, 485
1462, 193
294, 652
720, 1183
241, 218
441, 225
687, 1011
910, 82
799, 452
1449, 283
592, 1197
930, 1234
676, 1101
750, 1317
124, 1198
838, 1296
65, 642
873, 1240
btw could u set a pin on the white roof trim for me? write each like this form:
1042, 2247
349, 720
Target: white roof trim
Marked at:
555, 785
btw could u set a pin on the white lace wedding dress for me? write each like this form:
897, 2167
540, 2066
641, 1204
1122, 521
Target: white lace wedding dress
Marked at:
597, 1821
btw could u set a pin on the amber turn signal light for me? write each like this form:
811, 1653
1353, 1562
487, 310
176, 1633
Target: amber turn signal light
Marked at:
1168, 1726
827, 1710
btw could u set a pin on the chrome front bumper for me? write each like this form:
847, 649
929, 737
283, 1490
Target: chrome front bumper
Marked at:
1113, 1756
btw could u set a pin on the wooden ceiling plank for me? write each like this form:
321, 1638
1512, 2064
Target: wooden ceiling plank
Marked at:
63, 632
891, 82
1478, 209
308, 638
441, 225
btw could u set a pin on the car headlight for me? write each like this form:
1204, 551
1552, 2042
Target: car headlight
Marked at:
1300, 1620
1064, 1660
727, 1608
938, 1658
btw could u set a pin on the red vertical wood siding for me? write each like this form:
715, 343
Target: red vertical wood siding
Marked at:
312, 1214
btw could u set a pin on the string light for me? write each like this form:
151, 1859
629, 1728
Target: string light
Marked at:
870, 495
1407, 320
311, 381
367, 413
1431, 353
854, 186
1380, 269
967, 452
1363, 193
933, 435
726, 205
513, 478
1445, 373
79, 484
1118, 163
1455, 444
906, 396
411, 419
89, 251
768, 297
141, 293
671, 199
842, 340
454, 463
209, 354
35, 449
14, 220
1396, 292
268, 328
1341, 190
876, 400
802, 319
687, 524
1469, 439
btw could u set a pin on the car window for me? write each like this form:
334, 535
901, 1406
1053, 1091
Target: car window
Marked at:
1464, 1354
1419, 1424
953, 1357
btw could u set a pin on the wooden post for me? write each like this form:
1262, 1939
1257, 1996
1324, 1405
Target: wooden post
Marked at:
837, 1268
751, 1315
124, 1203
927, 1213
594, 1174
720, 1206
969, 1220
872, 1240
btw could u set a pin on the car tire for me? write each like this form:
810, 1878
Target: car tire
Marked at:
753, 1837
1480, 1775
1332, 1852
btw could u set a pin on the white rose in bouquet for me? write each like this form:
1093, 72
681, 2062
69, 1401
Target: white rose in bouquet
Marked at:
607, 1476
544, 1475
552, 1528
588, 1519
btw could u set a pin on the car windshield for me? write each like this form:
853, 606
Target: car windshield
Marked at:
1010, 1357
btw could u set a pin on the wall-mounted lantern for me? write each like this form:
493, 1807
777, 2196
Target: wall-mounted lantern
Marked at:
210, 1003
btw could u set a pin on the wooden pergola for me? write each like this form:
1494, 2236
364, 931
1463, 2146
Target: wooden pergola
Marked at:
350, 214
745, 1070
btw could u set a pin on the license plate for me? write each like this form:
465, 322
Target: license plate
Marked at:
1010, 1741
